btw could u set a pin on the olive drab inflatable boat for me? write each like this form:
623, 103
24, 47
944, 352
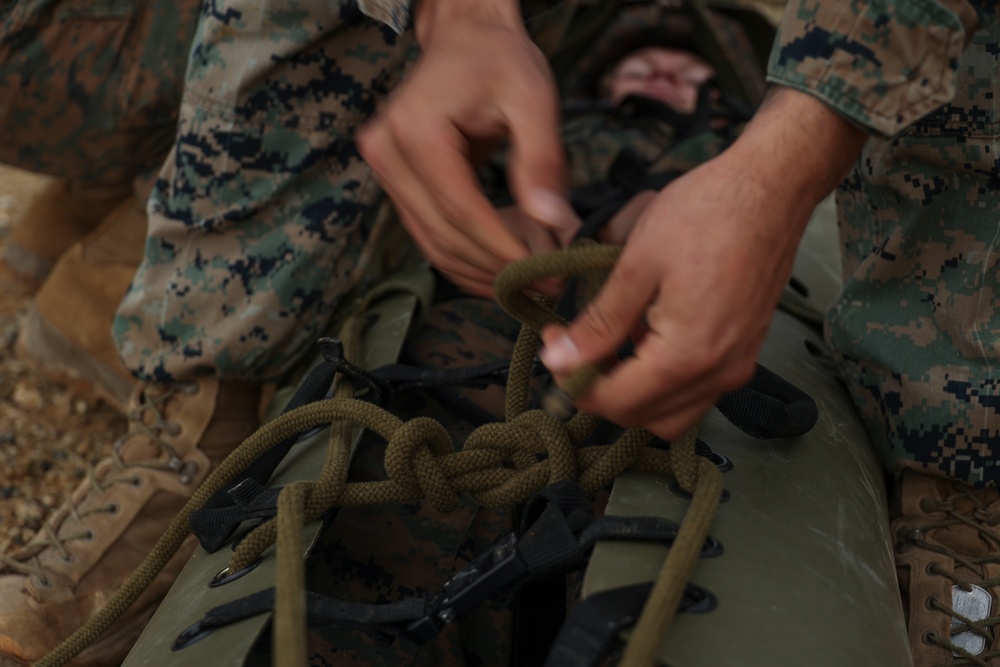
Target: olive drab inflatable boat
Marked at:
801, 570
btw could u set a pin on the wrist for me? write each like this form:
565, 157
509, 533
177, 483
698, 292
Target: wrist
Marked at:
434, 15
800, 147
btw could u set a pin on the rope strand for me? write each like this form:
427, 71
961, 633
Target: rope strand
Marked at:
499, 466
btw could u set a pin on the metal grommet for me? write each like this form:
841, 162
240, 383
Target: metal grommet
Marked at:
711, 548
697, 600
224, 577
676, 489
192, 634
721, 461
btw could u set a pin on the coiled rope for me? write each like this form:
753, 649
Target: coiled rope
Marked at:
500, 465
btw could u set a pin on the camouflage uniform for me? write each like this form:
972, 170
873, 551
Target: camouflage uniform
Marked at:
915, 326
89, 89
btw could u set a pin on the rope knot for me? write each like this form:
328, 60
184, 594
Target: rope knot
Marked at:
412, 460
552, 437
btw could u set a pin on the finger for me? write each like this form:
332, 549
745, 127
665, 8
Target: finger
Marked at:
445, 246
662, 379
604, 324
438, 156
678, 422
634, 392
474, 287
447, 261
537, 167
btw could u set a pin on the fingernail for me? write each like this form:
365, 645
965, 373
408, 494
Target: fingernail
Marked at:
560, 354
551, 210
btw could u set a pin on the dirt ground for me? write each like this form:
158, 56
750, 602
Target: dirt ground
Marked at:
48, 433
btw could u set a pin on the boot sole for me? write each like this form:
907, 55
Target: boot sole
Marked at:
59, 359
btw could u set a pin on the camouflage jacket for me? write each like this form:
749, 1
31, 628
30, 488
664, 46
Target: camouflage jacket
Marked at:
881, 63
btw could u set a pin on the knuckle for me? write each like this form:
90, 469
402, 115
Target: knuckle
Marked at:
597, 321
701, 360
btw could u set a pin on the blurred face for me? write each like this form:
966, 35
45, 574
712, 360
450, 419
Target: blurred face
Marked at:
668, 75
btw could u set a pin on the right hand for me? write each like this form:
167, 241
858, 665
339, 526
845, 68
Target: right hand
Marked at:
702, 270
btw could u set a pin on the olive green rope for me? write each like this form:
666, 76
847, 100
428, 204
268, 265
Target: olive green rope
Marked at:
661, 606
499, 466
286, 426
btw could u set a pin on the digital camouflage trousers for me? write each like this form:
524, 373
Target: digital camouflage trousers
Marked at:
917, 324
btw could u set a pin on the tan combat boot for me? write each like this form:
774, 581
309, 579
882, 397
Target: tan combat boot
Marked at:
948, 565
91, 545
67, 333
57, 216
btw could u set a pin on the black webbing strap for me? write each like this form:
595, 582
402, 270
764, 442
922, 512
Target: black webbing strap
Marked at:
590, 633
390, 619
555, 541
219, 517
247, 499
214, 526
404, 377
769, 407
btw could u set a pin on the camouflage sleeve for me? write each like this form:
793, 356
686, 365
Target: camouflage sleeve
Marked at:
394, 13
880, 63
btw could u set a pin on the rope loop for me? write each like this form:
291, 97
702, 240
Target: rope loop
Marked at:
512, 281
555, 440
501, 465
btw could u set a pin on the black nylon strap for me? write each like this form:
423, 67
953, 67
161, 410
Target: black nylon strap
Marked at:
769, 407
590, 632
212, 529
588, 635
554, 542
386, 619
253, 501
405, 376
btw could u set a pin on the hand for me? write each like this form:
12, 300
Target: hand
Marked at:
705, 266
479, 80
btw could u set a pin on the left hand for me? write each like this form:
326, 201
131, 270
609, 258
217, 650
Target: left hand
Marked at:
479, 80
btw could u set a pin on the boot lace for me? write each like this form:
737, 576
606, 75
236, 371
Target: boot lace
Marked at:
969, 571
152, 401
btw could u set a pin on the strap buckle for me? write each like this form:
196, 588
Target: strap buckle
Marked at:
492, 571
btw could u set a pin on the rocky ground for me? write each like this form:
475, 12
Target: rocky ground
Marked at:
48, 434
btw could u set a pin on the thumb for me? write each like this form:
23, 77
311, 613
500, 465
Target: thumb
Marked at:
550, 209
600, 329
